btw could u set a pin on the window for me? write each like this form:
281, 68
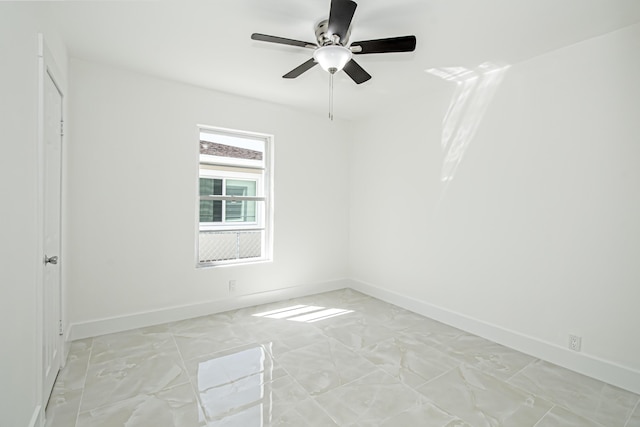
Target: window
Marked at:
234, 197
214, 212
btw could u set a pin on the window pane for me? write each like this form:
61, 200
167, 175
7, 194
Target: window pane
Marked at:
240, 187
210, 211
241, 211
206, 187
210, 187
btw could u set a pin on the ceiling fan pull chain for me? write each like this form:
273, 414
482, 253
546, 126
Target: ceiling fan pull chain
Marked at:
331, 96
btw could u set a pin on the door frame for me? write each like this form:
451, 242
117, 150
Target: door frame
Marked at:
47, 67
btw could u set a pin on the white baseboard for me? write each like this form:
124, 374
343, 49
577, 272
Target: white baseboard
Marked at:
604, 370
66, 346
110, 325
37, 419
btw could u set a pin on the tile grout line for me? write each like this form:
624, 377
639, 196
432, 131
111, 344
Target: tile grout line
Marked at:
571, 411
637, 405
506, 380
552, 400
193, 388
116, 402
295, 380
376, 368
84, 382
468, 366
544, 415
440, 375
549, 399
533, 393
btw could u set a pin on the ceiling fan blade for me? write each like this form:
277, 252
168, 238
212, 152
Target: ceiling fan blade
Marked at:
392, 44
300, 69
340, 16
281, 40
356, 72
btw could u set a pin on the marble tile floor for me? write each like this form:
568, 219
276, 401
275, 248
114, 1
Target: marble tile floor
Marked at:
335, 359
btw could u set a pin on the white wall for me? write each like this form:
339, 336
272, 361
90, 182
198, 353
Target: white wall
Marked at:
20, 259
132, 171
538, 232
18, 109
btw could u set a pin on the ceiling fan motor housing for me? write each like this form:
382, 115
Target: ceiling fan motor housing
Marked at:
325, 39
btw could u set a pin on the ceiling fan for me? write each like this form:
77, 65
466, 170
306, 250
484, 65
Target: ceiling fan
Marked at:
332, 49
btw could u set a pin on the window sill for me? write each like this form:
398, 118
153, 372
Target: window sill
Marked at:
234, 263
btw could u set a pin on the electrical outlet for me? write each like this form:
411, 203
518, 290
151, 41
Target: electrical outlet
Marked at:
232, 286
575, 342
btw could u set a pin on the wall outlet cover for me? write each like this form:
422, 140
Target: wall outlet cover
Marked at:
575, 342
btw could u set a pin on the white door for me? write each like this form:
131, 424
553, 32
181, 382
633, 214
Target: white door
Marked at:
52, 191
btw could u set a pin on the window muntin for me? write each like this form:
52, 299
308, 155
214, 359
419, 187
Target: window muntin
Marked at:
218, 212
234, 204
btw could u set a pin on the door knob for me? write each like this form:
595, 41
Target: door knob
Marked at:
52, 260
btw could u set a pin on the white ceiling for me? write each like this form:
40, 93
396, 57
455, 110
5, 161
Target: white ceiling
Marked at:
207, 43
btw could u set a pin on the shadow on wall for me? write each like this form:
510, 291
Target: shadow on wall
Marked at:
473, 94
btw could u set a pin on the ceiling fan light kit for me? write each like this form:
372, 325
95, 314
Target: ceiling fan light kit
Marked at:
332, 58
332, 49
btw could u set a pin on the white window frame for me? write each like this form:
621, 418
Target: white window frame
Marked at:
264, 194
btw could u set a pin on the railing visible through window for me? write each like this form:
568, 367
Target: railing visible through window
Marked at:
230, 245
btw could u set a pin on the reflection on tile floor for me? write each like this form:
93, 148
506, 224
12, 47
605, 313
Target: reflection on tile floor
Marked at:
334, 359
